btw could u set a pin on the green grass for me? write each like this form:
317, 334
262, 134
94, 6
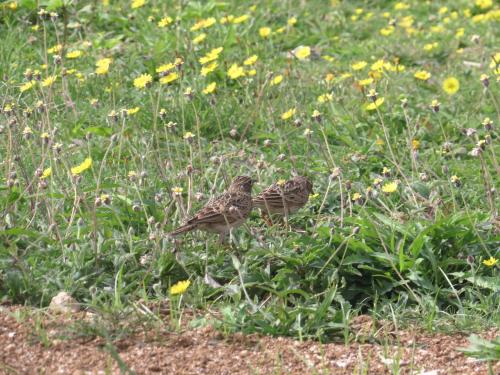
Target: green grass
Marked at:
414, 255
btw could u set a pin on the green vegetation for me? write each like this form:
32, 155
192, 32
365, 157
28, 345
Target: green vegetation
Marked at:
120, 119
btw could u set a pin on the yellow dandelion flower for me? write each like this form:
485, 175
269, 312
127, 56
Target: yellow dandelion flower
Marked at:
240, 19
286, 115
137, 4
451, 85
356, 197
142, 81
277, 80
490, 262
200, 38
365, 82
87, 163
165, 68
325, 98
302, 52
385, 31
264, 32
47, 82
423, 75
210, 88
27, 86
390, 187
171, 77
74, 54
207, 69
56, 49
377, 103
203, 24
251, 60
211, 56
188, 136
177, 190
180, 287
165, 21
415, 144
103, 66
47, 172
133, 111
251, 72
359, 65
235, 71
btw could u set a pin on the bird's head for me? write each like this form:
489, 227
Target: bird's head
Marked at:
242, 183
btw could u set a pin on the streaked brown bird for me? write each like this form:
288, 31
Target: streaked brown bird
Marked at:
223, 213
284, 198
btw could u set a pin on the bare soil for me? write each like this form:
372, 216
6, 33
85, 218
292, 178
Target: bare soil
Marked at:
34, 346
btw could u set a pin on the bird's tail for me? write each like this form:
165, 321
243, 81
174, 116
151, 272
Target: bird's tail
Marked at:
182, 229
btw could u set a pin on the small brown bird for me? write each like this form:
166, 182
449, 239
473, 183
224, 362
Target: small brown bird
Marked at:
224, 212
284, 198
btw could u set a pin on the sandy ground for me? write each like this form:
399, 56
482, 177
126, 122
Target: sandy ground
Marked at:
27, 349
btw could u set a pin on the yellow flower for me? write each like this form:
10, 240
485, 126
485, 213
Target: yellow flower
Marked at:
359, 65
264, 32
387, 30
103, 65
171, 77
451, 85
422, 75
205, 70
165, 68
142, 81
390, 187
47, 82
291, 21
430, 46
365, 82
401, 6
325, 98
356, 197
490, 262
74, 54
165, 21
177, 190
56, 49
277, 80
235, 71
180, 287
377, 103
251, 60
133, 111
415, 144
286, 115
27, 86
202, 24
210, 56
87, 163
188, 136
484, 4
200, 38
241, 19
47, 172
210, 88
137, 4
302, 52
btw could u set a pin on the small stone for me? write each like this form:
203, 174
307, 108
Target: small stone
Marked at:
63, 303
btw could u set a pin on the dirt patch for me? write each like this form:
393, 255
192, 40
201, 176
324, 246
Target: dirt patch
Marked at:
29, 350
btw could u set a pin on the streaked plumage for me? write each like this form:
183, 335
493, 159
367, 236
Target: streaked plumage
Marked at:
286, 198
224, 212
